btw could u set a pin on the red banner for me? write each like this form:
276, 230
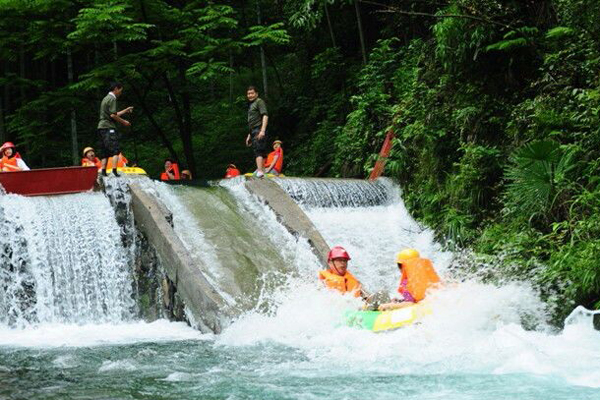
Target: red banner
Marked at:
383, 155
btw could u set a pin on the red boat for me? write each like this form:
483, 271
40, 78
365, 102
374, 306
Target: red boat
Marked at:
48, 181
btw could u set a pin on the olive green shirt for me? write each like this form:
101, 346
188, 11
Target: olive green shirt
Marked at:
108, 107
256, 110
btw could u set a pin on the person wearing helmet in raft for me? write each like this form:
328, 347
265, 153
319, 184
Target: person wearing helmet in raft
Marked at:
11, 161
337, 276
89, 158
274, 162
417, 275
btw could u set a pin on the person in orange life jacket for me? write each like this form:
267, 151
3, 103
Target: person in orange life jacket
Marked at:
171, 171
121, 162
232, 171
89, 158
417, 275
274, 162
337, 276
11, 160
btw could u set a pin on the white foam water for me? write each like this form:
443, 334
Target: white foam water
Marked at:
473, 329
50, 335
62, 261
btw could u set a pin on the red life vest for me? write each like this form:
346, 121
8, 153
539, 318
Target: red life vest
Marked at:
419, 275
174, 170
344, 284
271, 157
232, 172
122, 163
9, 164
86, 162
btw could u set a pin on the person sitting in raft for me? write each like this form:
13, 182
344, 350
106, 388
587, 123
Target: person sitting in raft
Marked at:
171, 171
337, 276
274, 162
121, 163
11, 160
89, 158
231, 171
417, 275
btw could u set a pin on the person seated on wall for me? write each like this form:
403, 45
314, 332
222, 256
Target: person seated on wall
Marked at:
186, 174
89, 158
232, 171
121, 163
274, 162
171, 171
11, 160
417, 275
337, 276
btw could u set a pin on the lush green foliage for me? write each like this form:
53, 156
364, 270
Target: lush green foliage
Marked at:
495, 104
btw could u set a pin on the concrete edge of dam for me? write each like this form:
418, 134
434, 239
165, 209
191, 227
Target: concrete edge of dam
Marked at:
289, 214
208, 308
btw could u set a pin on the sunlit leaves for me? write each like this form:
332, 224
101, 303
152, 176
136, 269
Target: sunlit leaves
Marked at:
107, 21
274, 33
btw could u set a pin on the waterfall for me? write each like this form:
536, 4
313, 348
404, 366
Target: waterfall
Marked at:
62, 260
370, 220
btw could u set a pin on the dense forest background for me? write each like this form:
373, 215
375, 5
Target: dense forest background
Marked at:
495, 105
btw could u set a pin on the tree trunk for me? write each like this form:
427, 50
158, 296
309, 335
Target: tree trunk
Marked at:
6, 98
186, 134
163, 137
230, 79
74, 144
363, 48
22, 75
263, 61
2, 129
3, 105
329, 24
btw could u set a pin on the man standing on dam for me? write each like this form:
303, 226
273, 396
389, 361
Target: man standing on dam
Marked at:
258, 119
107, 128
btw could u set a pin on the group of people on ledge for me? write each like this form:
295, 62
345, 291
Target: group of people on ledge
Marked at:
273, 163
171, 172
417, 276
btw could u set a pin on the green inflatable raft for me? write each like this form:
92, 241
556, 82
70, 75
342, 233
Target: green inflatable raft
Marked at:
380, 321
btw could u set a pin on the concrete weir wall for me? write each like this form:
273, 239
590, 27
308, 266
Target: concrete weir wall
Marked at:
289, 214
205, 303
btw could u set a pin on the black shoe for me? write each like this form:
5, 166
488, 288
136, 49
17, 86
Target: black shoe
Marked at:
104, 173
115, 172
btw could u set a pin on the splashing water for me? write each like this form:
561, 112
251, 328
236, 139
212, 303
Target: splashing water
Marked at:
62, 261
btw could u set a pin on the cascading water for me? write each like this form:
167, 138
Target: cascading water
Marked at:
369, 219
245, 252
62, 261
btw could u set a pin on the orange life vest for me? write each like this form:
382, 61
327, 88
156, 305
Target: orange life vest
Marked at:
122, 163
86, 162
232, 172
271, 157
174, 171
9, 164
344, 284
419, 275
